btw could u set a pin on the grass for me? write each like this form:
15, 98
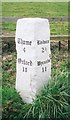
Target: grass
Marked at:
53, 100
35, 9
9, 26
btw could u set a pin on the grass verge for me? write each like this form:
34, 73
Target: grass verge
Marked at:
35, 9
53, 100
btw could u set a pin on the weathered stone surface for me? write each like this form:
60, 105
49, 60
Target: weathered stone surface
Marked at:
33, 67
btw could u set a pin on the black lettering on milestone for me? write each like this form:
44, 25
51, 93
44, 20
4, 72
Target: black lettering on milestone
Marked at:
42, 69
24, 62
38, 42
25, 69
30, 63
45, 68
42, 62
23, 42
18, 40
38, 63
19, 60
24, 49
42, 50
30, 42
27, 43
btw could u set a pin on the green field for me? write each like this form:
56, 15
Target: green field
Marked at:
37, 9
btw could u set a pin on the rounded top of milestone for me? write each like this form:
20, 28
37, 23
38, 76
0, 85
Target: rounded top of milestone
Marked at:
33, 19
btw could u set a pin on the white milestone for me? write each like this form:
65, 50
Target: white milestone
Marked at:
33, 64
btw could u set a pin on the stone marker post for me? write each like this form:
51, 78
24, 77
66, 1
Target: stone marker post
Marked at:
33, 64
